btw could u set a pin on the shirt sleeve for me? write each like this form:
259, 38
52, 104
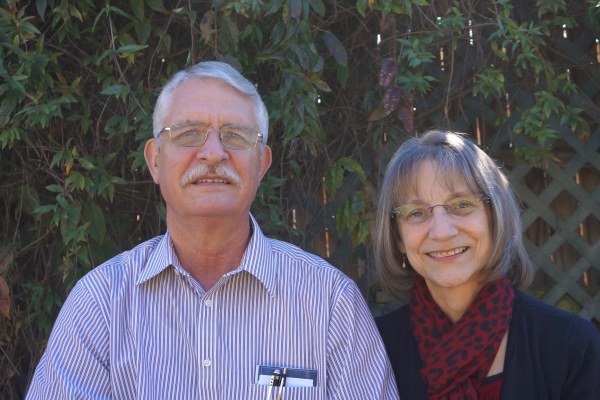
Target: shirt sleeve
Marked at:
357, 364
75, 365
583, 366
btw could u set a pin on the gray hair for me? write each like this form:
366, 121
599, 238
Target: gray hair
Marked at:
454, 153
219, 71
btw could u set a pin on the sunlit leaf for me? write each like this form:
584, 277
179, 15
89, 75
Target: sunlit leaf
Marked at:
206, 24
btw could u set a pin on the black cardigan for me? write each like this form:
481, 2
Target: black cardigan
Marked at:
551, 354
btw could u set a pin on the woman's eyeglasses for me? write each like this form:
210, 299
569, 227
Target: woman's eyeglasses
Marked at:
419, 213
194, 134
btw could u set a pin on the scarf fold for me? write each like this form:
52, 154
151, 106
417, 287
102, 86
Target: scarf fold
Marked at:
457, 357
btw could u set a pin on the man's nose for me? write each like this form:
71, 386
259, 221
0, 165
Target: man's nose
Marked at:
212, 151
442, 227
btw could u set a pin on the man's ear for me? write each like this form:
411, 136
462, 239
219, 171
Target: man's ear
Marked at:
265, 161
151, 152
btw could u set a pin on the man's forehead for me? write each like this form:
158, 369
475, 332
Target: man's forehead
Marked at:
211, 96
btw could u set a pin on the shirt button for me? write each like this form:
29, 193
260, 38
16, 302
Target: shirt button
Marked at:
207, 363
208, 303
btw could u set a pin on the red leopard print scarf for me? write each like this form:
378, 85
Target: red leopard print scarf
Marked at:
457, 357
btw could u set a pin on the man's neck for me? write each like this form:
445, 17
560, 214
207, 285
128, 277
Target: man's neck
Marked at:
208, 248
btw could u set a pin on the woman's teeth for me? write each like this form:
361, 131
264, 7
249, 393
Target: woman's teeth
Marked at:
211, 181
447, 253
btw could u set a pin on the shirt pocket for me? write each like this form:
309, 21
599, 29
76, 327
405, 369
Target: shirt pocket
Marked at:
260, 392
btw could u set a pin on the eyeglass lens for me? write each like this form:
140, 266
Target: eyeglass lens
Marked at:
233, 137
418, 213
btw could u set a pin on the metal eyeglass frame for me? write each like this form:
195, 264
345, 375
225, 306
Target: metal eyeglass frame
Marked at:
259, 136
482, 197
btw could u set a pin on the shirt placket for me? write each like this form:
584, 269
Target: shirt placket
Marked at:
208, 352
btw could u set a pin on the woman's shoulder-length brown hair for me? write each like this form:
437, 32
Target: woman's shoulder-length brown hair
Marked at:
454, 153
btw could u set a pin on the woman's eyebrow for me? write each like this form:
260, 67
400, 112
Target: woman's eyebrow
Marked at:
454, 195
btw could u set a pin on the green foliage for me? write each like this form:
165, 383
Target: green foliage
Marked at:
79, 79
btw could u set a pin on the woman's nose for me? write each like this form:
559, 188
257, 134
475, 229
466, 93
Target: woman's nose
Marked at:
442, 227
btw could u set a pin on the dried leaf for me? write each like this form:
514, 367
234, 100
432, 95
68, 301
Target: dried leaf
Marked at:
293, 148
4, 297
391, 98
406, 117
335, 47
387, 73
389, 22
206, 24
6, 256
408, 98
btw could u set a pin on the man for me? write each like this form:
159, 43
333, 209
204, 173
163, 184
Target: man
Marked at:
213, 309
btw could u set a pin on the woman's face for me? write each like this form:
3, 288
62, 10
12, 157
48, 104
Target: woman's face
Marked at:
447, 250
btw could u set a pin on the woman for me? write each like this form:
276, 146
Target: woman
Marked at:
448, 237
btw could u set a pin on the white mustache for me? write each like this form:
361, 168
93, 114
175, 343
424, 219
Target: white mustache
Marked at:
202, 169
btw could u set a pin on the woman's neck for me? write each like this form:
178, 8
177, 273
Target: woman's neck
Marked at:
454, 301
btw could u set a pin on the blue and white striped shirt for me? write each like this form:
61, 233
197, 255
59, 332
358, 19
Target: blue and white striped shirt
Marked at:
140, 327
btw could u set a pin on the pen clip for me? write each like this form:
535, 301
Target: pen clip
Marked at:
282, 384
274, 382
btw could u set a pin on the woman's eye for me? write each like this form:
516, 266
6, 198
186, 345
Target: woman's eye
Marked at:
188, 133
464, 204
415, 214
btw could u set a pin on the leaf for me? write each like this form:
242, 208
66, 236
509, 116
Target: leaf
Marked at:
4, 297
41, 7
206, 24
114, 89
293, 148
387, 73
55, 188
342, 217
377, 114
388, 22
353, 166
408, 98
44, 209
391, 98
318, 6
342, 73
137, 6
156, 5
162, 211
335, 47
217, 4
6, 256
406, 117
143, 31
93, 214
295, 9
132, 48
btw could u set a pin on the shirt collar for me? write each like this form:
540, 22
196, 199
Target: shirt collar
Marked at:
257, 260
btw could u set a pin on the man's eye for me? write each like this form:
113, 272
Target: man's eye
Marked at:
188, 133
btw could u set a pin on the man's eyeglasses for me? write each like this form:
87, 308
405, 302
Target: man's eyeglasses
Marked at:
419, 213
194, 134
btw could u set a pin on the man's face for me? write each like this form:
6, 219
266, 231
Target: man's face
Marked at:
215, 105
